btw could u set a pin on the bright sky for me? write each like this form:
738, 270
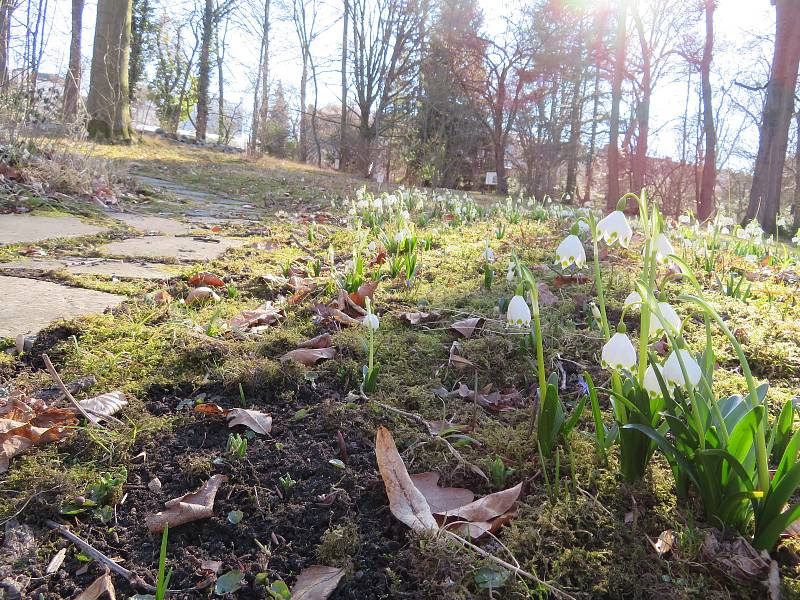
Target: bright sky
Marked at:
737, 22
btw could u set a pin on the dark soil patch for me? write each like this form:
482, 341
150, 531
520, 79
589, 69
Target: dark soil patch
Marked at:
292, 526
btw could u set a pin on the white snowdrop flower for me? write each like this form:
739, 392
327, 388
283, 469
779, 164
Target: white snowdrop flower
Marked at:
583, 227
650, 382
615, 228
618, 353
518, 313
781, 221
687, 243
488, 253
371, 321
633, 300
596, 312
685, 219
511, 273
751, 258
742, 234
405, 215
663, 248
349, 265
725, 231
672, 368
669, 315
571, 252
400, 236
372, 246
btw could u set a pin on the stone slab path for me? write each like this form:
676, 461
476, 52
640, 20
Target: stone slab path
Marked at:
182, 248
90, 266
29, 304
152, 224
20, 229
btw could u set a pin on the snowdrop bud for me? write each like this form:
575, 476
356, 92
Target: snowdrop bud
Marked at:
663, 248
619, 353
371, 321
511, 274
684, 219
615, 228
583, 227
570, 251
518, 313
670, 318
633, 300
372, 246
673, 372
596, 312
488, 253
725, 231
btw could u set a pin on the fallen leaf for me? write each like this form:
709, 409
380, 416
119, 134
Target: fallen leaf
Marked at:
665, 543
488, 507
316, 583
266, 314
415, 318
546, 297
480, 528
255, 420
209, 408
56, 562
205, 278
211, 565
309, 356
103, 405
736, 558
560, 281
467, 327
406, 502
162, 297
457, 360
321, 341
201, 295
365, 290
101, 585
189, 507
440, 499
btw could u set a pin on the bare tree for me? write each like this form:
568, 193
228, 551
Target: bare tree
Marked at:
212, 14
343, 116
705, 205
72, 83
621, 43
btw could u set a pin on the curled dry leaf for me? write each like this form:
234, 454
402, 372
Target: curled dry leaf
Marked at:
189, 507
665, 543
204, 278
101, 585
406, 502
321, 341
479, 528
255, 420
364, 291
467, 327
266, 314
330, 313
440, 499
162, 297
488, 507
209, 408
457, 360
736, 558
201, 295
415, 318
316, 583
103, 405
546, 297
56, 562
309, 356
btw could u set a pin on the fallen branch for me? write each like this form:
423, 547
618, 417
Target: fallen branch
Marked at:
54, 374
90, 550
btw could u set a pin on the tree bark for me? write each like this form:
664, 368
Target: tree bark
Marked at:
612, 189
264, 118
639, 165
592, 137
796, 200
108, 103
343, 118
765, 193
204, 71
303, 138
72, 84
6, 8
705, 206
574, 137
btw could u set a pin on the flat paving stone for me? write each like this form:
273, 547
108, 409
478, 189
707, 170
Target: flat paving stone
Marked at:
17, 229
90, 266
183, 248
29, 304
150, 223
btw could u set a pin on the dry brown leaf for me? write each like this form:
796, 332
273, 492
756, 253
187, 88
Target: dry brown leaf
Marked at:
457, 360
440, 499
665, 543
309, 356
209, 408
415, 318
101, 585
200, 295
365, 290
467, 327
546, 297
316, 583
207, 279
488, 507
736, 558
11, 447
103, 405
321, 341
480, 528
266, 314
211, 565
56, 562
406, 502
189, 507
330, 312
162, 297
255, 420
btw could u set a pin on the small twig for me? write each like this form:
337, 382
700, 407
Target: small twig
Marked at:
54, 374
596, 501
302, 246
506, 565
87, 548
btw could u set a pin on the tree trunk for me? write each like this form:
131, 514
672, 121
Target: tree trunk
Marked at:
500, 164
796, 200
592, 137
612, 189
639, 165
765, 193
705, 206
204, 71
6, 7
108, 103
265, 79
222, 133
343, 118
314, 129
574, 138
72, 84
303, 141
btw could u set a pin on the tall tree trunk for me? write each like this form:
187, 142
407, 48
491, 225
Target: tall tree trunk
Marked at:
765, 193
500, 163
574, 137
265, 79
612, 189
303, 138
592, 137
204, 71
6, 7
343, 117
639, 165
108, 103
72, 84
314, 129
796, 200
222, 133
705, 207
